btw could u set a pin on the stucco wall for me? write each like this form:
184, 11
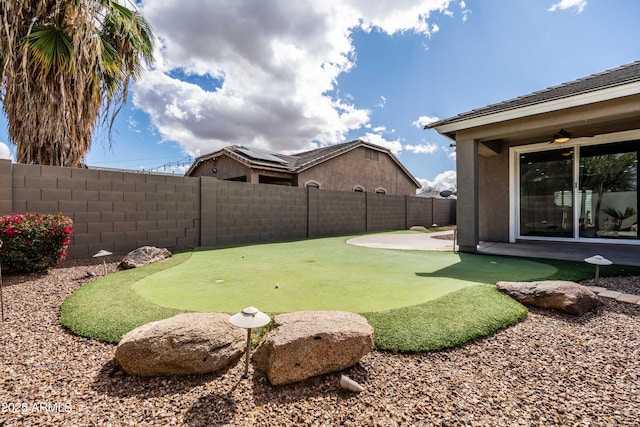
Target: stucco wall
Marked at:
348, 170
493, 197
341, 173
225, 168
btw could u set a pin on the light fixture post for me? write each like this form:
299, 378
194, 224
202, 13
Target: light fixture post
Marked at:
101, 254
247, 355
248, 319
598, 260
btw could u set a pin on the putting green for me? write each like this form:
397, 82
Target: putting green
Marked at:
323, 274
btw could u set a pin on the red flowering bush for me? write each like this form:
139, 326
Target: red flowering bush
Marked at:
34, 242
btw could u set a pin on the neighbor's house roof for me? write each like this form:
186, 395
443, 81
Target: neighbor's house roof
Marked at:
292, 163
610, 84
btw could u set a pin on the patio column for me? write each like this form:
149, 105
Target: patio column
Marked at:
467, 203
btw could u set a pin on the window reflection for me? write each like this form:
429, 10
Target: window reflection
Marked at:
609, 191
546, 193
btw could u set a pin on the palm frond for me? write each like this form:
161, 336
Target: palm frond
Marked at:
50, 49
619, 215
66, 66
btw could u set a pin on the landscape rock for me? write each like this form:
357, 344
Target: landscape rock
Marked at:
547, 370
143, 256
418, 228
304, 344
189, 343
569, 297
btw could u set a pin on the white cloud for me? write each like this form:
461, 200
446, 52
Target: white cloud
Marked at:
394, 146
465, 12
396, 16
382, 103
422, 121
451, 152
428, 148
5, 152
275, 63
567, 4
445, 181
465, 15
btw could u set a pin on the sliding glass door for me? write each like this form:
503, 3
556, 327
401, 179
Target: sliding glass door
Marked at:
609, 191
546, 193
586, 192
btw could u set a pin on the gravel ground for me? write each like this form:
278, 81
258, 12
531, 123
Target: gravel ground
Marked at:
550, 369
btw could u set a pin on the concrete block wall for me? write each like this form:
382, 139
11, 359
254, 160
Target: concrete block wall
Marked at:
248, 213
444, 211
340, 212
120, 211
6, 187
385, 212
419, 211
115, 211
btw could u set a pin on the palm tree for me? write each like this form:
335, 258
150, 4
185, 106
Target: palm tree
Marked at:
65, 66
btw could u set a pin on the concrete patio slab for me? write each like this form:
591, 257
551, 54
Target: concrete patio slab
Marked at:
628, 298
597, 289
618, 254
408, 241
610, 294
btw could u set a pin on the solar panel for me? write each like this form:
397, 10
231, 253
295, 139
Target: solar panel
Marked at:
256, 154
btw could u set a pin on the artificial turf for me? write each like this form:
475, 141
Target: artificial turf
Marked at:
415, 300
323, 274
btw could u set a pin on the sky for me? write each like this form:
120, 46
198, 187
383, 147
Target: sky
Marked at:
290, 76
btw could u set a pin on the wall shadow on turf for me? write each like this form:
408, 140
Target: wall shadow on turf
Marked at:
490, 269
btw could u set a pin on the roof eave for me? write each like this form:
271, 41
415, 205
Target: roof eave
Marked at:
449, 127
200, 160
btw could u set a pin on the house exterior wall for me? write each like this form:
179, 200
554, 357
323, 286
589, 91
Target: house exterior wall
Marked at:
225, 168
344, 172
341, 173
467, 203
483, 210
493, 197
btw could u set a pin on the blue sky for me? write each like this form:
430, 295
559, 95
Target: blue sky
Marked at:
291, 76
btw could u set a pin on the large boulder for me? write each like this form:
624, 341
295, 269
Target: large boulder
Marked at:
190, 343
143, 256
304, 344
569, 297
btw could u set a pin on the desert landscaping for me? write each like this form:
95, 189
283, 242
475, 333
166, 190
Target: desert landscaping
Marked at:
550, 369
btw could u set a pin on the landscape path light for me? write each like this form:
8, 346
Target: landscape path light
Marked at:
103, 254
598, 260
247, 319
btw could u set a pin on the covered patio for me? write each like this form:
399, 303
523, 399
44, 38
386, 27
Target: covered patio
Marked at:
618, 254
558, 165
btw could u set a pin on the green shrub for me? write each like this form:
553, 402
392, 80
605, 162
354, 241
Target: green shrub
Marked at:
34, 242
